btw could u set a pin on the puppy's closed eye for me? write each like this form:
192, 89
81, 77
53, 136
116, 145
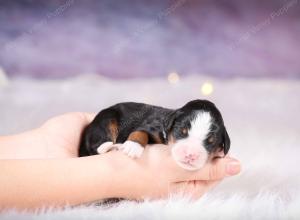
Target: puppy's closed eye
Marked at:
184, 131
211, 139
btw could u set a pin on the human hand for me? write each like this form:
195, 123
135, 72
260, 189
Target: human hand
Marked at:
61, 134
160, 176
156, 175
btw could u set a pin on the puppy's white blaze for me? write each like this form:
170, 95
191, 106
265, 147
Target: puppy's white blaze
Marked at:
200, 126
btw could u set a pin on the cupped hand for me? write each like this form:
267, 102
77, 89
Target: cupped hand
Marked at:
158, 175
61, 134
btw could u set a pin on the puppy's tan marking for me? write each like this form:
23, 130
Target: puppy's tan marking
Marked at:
140, 137
157, 138
113, 130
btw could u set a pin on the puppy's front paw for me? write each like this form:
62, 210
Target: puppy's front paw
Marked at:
105, 147
132, 149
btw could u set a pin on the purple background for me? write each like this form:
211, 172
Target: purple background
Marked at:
124, 39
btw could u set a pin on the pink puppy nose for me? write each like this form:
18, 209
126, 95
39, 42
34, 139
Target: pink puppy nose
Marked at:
191, 157
191, 154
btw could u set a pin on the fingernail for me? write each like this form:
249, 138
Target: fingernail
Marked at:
233, 168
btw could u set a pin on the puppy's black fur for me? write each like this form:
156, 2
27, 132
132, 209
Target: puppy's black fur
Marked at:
160, 125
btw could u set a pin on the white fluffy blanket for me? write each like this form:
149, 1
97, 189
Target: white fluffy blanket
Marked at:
262, 117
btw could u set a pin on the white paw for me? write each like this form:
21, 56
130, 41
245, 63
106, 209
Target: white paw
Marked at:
105, 147
132, 149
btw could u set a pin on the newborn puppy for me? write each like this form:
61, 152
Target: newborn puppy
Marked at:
196, 131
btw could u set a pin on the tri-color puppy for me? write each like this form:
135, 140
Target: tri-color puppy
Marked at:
195, 132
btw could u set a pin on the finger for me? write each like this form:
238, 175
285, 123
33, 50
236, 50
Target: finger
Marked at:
204, 187
220, 168
215, 170
195, 188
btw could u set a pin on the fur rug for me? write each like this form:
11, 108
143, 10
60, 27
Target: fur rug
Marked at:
262, 117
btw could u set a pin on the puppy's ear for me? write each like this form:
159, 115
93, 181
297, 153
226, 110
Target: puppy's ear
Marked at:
171, 119
225, 141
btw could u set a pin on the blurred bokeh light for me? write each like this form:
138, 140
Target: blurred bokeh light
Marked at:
207, 88
173, 78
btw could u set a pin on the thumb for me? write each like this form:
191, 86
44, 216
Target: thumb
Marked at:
217, 169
